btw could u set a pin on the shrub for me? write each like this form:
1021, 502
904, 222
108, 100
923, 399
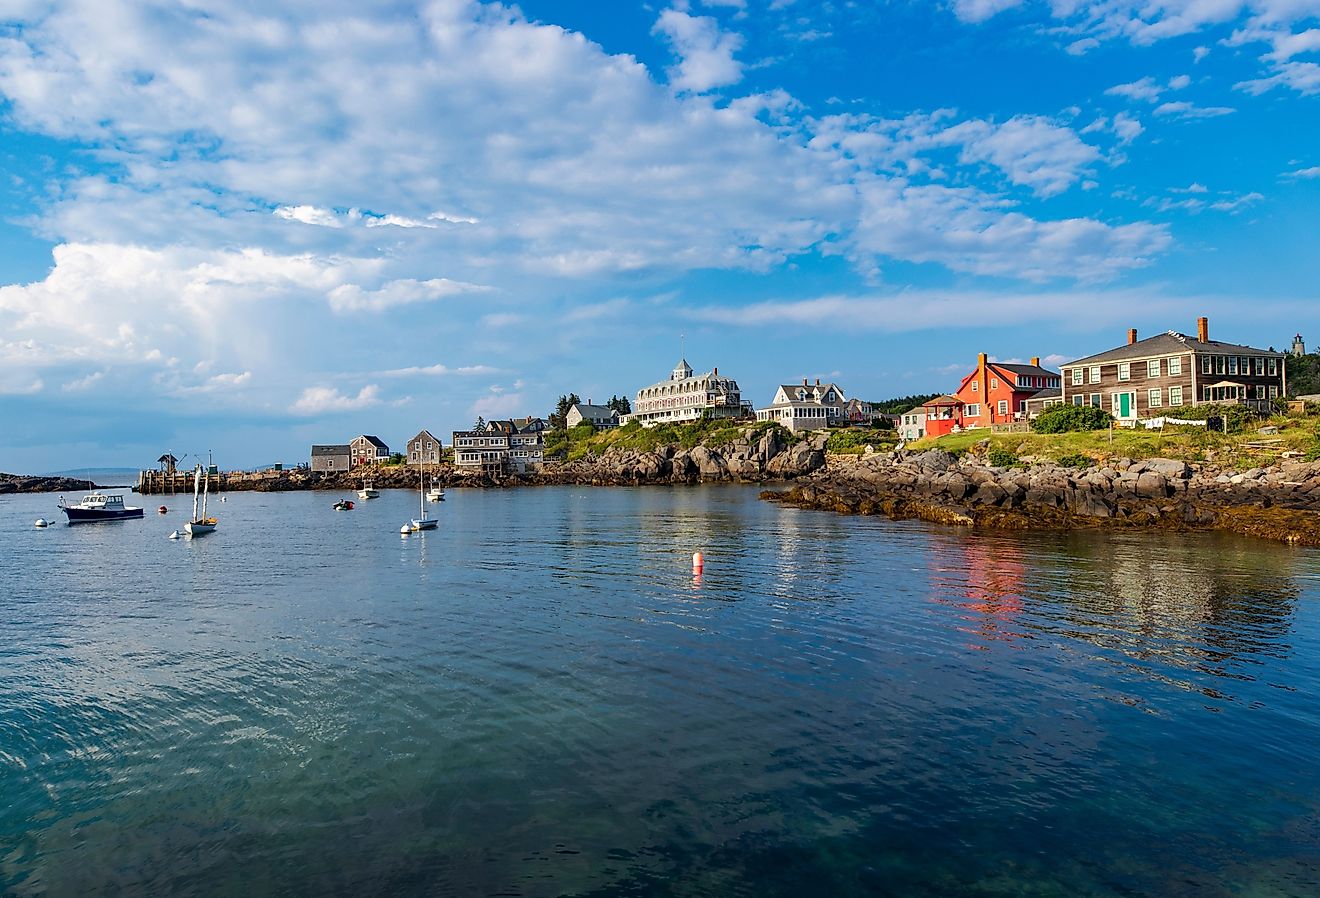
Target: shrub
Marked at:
1000, 458
855, 441
1071, 418
1075, 460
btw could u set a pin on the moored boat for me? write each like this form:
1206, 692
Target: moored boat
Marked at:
99, 507
200, 525
368, 491
344, 505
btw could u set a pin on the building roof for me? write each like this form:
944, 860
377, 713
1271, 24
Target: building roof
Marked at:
335, 449
1048, 393
1170, 343
593, 411
1030, 370
423, 433
167, 457
717, 381
375, 441
942, 400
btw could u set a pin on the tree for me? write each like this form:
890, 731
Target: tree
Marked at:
558, 419
479, 424
620, 404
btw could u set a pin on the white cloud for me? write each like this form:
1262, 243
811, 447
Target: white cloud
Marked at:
1127, 128
323, 400
311, 215
437, 370
500, 404
1146, 89
83, 384
1180, 82
1188, 111
1033, 152
352, 298
914, 310
705, 52
1305, 173
980, 10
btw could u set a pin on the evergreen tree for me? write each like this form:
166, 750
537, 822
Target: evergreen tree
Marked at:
479, 424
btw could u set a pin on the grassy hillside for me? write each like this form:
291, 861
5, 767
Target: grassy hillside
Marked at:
1192, 444
583, 440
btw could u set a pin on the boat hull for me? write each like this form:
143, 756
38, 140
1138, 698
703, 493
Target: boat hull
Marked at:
97, 515
427, 524
199, 528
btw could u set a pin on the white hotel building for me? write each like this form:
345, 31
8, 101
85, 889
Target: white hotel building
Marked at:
685, 397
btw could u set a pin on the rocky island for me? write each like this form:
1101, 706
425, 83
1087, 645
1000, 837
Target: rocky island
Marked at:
19, 483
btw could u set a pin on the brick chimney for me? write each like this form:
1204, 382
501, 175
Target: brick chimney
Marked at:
804, 382
818, 381
715, 371
984, 384
1203, 329
1132, 335
1035, 361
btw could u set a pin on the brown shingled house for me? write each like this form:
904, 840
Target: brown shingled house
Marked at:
1170, 370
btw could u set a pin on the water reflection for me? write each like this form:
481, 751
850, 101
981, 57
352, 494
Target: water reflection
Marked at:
1153, 601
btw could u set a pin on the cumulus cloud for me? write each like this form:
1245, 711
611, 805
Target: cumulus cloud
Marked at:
1145, 89
980, 10
310, 215
353, 298
1304, 173
437, 370
705, 52
1189, 111
325, 400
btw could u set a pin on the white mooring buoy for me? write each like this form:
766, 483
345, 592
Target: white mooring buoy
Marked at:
174, 535
405, 530
42, 522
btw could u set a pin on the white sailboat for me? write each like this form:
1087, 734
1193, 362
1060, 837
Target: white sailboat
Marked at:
422, 522
200, 525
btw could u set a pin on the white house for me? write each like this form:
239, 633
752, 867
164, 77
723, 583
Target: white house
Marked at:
597, 416
912, 424
806, 406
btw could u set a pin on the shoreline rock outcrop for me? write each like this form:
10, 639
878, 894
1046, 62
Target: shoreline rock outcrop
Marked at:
19, 483
1280, 502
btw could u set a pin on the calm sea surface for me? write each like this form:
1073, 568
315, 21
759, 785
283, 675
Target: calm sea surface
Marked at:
539, 699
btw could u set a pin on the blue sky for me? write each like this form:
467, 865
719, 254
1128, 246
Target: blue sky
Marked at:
231, 227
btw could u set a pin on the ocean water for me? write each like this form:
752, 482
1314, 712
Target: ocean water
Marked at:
541, 699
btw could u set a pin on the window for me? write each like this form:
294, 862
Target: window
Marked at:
1078, 399
1274, 391
1153, 399
1219, 364
1232, 364
1274, 367
1095, 400
1207, 365
1260, 365
1175, 396
1095, 374
1124, 370
974, 386
1175, 366
1153, 368
972, 411
1003, 406
994, 383
1077, 376
1260, 391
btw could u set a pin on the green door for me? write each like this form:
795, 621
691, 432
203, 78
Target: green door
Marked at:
1125, 405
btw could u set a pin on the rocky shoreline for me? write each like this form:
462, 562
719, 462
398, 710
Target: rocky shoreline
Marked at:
1279, 502
19, 483
750, 458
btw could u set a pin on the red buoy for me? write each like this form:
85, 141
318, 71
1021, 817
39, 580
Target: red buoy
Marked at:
162, 510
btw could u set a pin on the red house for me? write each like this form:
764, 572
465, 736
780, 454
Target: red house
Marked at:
995, 392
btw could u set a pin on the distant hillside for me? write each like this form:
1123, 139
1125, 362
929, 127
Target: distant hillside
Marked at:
903, 403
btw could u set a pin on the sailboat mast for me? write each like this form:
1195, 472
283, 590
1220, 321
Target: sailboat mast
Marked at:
197, 482
205, 489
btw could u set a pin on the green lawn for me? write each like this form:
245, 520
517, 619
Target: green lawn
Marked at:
1192, 444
